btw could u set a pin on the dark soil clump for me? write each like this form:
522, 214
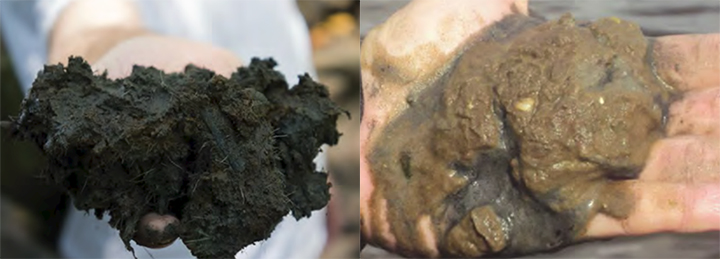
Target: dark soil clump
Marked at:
228, 157
527, 136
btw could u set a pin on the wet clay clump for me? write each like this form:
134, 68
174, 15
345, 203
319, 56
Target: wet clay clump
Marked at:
528, 135
228, 157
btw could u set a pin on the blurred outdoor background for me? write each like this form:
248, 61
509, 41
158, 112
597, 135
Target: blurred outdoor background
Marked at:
657, 18
335, 36
32, 212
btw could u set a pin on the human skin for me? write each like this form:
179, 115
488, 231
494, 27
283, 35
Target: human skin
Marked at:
679, 187
110, 36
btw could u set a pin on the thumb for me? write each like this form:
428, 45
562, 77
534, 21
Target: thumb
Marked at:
157, 231
422, 36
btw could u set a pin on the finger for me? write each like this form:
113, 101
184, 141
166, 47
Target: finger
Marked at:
165, 53
157, 231
686, 159
366, 186
381, 235
378, 232
678, 190
688, 61
223, 62
422, 36
663, 207
697, 113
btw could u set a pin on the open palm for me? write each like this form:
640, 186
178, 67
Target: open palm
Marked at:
679, 187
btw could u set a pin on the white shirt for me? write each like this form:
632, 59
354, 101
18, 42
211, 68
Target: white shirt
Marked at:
260, 28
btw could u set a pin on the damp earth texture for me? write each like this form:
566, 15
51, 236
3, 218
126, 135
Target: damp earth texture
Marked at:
526, 136
228, 157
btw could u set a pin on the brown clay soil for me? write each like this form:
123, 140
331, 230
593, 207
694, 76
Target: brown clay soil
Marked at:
655, 19
525, 137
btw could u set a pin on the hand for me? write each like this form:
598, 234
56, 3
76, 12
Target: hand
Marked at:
678, 188
170, 55
110, 36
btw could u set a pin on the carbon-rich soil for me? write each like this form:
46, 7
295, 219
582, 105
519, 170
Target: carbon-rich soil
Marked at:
228, 157
527, 136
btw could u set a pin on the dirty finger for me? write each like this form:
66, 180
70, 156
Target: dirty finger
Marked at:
663, 207
688, 62
697, 113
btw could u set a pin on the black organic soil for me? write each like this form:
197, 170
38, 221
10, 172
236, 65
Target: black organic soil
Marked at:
229, 157
526, 137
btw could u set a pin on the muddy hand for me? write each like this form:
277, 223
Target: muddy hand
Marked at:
679, 188
415, 207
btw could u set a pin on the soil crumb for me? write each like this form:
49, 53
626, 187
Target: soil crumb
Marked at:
228, 157
527, 136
